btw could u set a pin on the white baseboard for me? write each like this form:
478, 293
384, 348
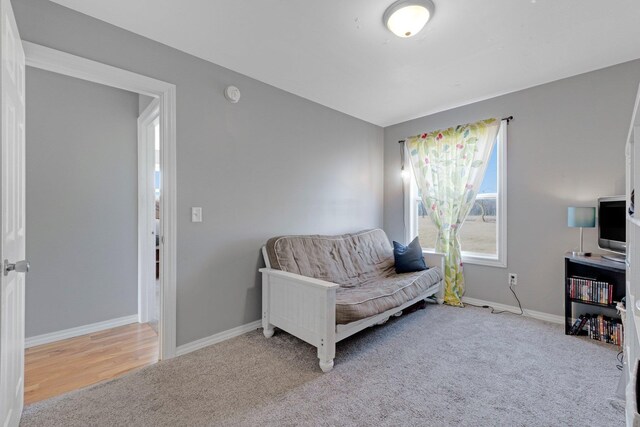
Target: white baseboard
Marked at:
216, 338
79, 330
529, 313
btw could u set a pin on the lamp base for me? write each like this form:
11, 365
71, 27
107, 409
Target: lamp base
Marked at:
577, 253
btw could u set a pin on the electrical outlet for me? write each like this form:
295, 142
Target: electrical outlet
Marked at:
513, 279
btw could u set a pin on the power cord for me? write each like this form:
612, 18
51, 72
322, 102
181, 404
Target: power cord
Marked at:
493, 310
620, 358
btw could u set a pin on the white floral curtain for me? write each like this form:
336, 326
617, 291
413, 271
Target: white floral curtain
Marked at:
449, 166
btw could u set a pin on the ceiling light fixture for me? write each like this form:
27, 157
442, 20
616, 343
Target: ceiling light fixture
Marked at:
405, 18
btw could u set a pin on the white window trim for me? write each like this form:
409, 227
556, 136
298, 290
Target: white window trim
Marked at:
48, 59
499, 260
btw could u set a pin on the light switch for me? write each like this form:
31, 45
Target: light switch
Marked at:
196, 214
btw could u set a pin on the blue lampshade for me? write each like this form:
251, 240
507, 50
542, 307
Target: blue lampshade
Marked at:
581, 217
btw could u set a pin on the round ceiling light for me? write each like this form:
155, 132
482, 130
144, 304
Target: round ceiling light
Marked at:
405, 18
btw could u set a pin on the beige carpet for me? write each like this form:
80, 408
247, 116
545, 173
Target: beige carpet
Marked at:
440, 366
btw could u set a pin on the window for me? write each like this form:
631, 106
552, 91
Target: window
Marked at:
483, 236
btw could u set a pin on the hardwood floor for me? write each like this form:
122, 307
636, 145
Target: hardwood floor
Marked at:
62, 366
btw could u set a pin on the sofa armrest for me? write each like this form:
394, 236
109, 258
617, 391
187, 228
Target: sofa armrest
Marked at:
434, 259
302, 280
304, 307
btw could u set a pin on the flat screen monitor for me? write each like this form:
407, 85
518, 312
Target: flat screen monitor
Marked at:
612, 220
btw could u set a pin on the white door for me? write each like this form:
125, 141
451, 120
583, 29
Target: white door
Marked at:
147, 227
12, 242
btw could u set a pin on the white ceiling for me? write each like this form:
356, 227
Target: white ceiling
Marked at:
339, 54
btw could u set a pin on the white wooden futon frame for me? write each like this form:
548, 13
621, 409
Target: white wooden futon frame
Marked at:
306, 308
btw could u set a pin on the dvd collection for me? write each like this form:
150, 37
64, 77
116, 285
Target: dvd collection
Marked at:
590, 290
598, 327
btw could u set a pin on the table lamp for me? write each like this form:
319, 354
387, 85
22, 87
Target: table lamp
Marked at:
581, 217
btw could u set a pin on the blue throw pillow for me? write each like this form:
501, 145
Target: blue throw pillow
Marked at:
408, 258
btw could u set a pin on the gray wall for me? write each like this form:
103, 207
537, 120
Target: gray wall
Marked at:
143, 102
81, 200
274, 163
565, 147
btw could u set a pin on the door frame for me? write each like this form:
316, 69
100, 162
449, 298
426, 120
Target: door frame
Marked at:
56, 61
147, 210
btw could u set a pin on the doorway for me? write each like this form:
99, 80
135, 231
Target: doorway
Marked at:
83, 199
38, 56
156, 228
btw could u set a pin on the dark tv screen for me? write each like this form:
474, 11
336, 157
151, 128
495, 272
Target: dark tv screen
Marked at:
611, 220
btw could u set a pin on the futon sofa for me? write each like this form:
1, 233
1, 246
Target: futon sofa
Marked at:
323, 289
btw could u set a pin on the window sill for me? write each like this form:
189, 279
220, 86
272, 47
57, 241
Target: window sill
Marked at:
485, 261
476, 259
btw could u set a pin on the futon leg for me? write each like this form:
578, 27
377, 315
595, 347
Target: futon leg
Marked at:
268, 330
440, 293
326, 365
326, 353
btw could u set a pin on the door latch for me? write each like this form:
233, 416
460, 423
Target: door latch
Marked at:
19, 267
